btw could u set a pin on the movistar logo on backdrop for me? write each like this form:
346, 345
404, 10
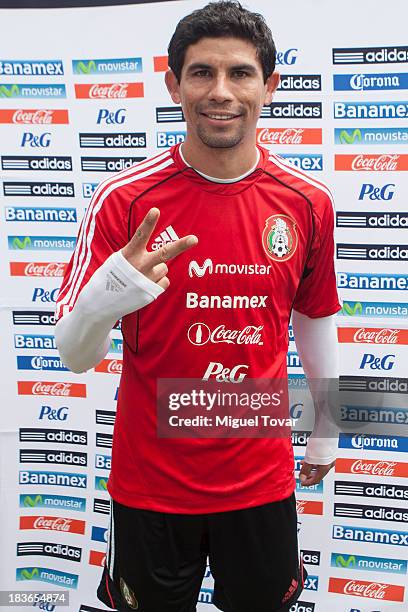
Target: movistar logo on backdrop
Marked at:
45, 500
46, 574
374, 309
39, 243
107, 66
371, 136
303, 161
370, 82
370, 110
368, 563
37, 90
31, 67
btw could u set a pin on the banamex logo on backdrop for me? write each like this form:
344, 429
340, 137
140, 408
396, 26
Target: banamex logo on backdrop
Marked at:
54, 115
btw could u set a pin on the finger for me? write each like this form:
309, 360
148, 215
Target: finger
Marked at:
172, 250
158, 272
305, 472
143, 233
164, 282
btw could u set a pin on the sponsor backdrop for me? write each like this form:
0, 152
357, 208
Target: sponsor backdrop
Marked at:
82, 96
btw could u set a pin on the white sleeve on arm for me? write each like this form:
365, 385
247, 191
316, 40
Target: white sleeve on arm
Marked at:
317, 345
113, 291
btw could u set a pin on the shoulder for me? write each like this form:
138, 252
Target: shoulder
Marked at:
120, 189
314, 191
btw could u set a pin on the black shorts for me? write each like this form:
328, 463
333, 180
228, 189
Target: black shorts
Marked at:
156, 561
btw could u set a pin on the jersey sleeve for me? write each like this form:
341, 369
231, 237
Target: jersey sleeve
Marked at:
103, 231
317, 292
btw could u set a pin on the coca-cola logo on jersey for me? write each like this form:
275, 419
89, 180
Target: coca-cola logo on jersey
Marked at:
200, 333
44, 269
378, 468
35, 116
374, 590
57, 389
285, 136
380, 336
386, 162
114, 90
56, 524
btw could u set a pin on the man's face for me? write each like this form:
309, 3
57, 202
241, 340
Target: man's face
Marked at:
221, 91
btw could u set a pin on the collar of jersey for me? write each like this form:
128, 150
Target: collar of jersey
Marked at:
207, 184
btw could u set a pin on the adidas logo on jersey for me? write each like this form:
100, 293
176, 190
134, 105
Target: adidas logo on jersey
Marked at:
166, 236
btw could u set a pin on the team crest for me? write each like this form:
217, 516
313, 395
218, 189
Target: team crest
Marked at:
279, 237
128, 595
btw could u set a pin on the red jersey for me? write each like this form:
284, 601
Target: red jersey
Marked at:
265, 247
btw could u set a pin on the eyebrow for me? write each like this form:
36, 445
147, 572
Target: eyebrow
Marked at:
201, 66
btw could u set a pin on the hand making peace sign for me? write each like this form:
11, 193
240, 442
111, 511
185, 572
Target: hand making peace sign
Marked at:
152, 265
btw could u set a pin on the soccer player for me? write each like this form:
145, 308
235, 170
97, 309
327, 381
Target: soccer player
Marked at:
256, 247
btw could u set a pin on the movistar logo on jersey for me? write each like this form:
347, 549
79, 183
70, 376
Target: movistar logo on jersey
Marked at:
207, 266
370, 82
107, 66
371, 136
372, 564
374, 309
20, 90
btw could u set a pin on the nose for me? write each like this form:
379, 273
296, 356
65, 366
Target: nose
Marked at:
220, 91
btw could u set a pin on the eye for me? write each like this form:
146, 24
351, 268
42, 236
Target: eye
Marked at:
201, 73
240, 74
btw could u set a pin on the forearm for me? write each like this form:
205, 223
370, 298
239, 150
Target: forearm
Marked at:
114, 290
317, 346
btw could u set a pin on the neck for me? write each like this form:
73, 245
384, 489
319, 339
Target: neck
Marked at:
220, 163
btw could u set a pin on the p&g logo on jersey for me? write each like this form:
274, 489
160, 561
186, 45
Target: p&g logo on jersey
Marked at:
236, 374
386, 362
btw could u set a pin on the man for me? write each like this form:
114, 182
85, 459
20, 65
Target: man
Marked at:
177, 501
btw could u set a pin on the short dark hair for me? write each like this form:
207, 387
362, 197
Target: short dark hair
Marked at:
218, 19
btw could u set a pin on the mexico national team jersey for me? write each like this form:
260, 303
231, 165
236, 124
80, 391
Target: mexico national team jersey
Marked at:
265, 247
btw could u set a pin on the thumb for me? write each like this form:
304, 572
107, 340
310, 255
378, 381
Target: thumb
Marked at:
305, 471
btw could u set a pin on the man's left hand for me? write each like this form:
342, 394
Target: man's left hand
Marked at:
311, 474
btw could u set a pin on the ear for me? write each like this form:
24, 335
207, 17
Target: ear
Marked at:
271, 85
173, 86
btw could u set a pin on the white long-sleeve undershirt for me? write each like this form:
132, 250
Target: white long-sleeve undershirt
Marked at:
113, 291
317, 346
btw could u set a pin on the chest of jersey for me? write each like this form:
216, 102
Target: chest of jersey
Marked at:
233, 292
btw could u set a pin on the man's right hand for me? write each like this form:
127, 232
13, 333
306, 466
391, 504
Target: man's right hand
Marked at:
152, 264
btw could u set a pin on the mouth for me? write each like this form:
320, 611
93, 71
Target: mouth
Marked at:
220, 117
